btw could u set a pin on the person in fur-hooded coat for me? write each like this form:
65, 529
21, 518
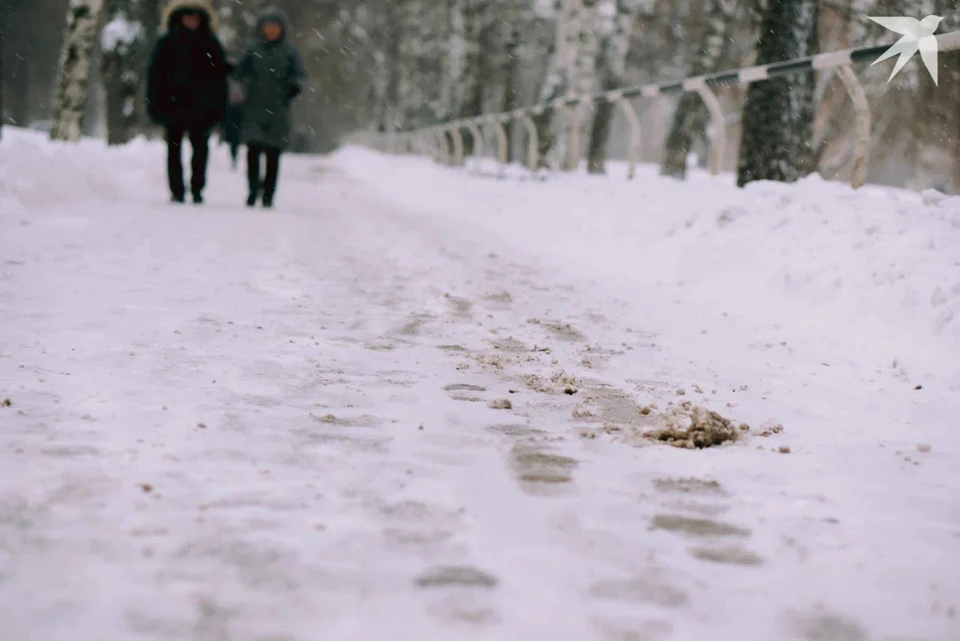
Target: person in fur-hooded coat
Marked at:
187, 88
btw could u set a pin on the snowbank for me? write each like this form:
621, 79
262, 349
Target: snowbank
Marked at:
877, 265
36, 172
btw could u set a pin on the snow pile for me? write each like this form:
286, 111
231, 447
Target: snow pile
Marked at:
36, 172
877, 265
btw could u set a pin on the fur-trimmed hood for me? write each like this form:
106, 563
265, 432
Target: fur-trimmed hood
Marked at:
204, 7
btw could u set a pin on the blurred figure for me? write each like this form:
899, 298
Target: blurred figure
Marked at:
187, 89
273, 76
233, 123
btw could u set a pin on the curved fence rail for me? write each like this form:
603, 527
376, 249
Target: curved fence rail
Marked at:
444, 142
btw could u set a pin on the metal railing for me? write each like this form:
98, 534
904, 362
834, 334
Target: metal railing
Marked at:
444, 142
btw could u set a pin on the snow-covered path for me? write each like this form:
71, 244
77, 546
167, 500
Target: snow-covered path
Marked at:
231, 424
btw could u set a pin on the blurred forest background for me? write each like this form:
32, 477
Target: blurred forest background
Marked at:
383, 64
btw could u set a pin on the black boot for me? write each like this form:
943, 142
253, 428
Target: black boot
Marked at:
177, 198
268, 201
253, 174
197, 198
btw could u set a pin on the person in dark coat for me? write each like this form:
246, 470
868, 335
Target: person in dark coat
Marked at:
272, 73
187, 89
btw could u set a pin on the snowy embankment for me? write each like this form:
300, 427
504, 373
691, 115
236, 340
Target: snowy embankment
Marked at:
37, 173
878, 268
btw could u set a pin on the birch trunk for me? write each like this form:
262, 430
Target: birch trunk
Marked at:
149, 18
468, 66
421, 62
615, 24
122, 42
509, 72
83, 17
572, 72
383, 63
410, 48
691, 117
937, 119
236, 24
779, 112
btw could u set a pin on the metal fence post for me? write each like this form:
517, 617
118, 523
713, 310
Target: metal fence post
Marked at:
861, 144
633, 122
457, 138
719, 142
477, 136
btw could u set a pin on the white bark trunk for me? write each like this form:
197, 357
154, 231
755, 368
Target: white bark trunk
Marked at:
122, 41
572, 72
83, 17
457, 54
691, 117
615, 20
421, 62
468, 60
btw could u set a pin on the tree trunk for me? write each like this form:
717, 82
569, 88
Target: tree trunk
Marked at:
938, 114
149, 19
468, 66
383, 53
122, 44
691, 117
79, 38
553, 86
572, 72
616, 19
421, 63
511, 63
779, 112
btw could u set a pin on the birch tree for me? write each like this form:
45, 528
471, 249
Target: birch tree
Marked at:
422, 60
779, 112
80, 35
387, 79
509, 38
572, 72
468, 60
691, 117
937, 119
122, 44
615, 20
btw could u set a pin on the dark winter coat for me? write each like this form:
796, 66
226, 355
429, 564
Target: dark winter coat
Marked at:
233, 123
273, 75
187, 78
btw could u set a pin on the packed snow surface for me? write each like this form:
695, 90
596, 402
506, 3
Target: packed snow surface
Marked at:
417, 402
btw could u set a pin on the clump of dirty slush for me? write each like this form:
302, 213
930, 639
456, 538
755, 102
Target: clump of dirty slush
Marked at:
706, 429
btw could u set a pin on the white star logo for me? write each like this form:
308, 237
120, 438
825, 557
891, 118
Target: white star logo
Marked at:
917, 36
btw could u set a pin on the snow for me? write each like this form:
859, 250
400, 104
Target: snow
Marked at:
214, 428
119, 32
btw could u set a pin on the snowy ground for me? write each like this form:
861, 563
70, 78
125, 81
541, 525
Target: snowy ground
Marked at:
232, 424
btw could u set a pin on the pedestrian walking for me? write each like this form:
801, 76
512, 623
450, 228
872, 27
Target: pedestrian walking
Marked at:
272, 74
187, 89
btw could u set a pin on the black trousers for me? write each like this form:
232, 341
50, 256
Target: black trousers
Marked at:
268, 185
200, 143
